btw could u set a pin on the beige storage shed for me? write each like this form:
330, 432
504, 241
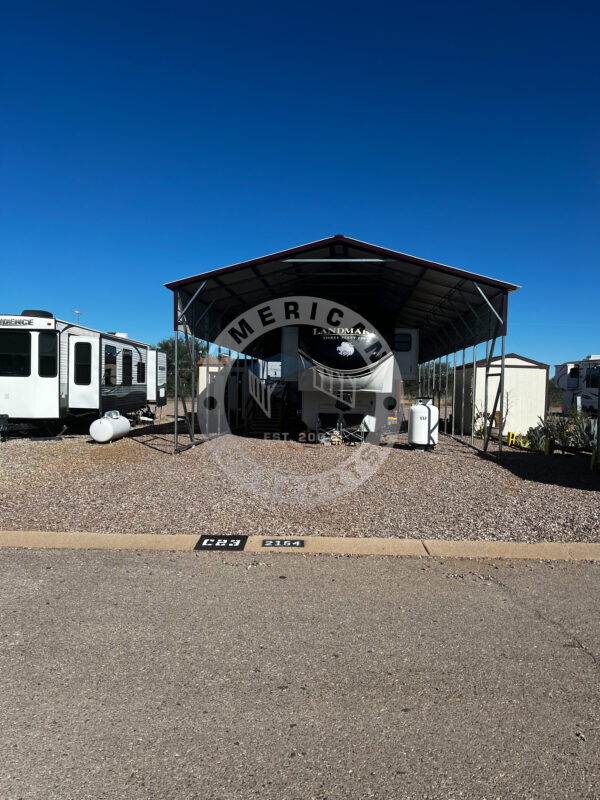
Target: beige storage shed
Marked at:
525, 393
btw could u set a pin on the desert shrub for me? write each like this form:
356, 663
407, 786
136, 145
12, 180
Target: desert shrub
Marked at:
577, 430
584, 431
536, 437
558, 429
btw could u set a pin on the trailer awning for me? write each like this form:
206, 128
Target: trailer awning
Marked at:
452, 308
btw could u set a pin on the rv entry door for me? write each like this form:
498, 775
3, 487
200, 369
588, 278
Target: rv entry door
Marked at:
84, 373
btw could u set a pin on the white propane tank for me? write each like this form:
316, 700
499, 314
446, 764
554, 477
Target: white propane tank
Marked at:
423, 419
111, 426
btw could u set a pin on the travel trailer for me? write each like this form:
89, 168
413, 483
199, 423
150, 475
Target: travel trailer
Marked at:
54, 372
580, 383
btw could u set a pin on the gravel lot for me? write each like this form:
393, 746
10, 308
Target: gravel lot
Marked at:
236, 485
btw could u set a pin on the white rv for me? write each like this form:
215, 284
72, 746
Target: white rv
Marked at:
336, 377
53, 372
580, 383
319, 379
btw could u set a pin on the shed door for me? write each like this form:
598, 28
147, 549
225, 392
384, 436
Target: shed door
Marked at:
84, 387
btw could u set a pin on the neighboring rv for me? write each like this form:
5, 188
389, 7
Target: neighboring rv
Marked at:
580, 383
53, 372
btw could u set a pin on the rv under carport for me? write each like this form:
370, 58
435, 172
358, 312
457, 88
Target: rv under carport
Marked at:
454, 310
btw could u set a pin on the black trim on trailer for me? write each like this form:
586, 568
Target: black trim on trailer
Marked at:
54, 335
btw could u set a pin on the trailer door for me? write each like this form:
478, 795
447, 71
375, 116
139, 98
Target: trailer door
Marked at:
84, 373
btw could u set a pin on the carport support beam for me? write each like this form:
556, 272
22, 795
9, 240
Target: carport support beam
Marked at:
474, 395
446, 399
488, 358
501, 431
453, 393
462, 412
207, 362
193, 399
194, 296
176, 440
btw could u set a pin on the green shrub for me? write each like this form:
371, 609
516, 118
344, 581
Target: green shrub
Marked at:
536, 437
584, 430
576, 430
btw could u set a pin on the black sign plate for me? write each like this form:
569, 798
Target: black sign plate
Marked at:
221, 543
283, 543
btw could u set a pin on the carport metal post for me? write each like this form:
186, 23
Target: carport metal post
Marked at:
194, 368
433, 381
176, 432
446, 399
501, 430
207, 360
439, 383
453, 393
219, 408
462, 412
474, 395
485, 390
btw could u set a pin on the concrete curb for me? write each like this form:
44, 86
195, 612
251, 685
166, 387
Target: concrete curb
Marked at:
546, 551
541, 551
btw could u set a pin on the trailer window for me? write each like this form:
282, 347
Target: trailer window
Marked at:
141, 372
15, 354
48, 352
127, 367
110, 365
592, 378
402, 342
83, 363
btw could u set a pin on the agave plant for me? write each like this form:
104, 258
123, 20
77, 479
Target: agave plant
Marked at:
558, 429
584, 431
536, 437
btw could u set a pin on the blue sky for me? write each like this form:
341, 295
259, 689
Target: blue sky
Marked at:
143, 142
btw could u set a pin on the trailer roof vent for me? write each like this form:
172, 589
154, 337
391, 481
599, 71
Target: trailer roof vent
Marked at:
28, 312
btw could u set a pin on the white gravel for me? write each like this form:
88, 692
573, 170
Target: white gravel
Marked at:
136, 485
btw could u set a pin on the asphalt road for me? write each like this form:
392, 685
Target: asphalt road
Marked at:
290, 677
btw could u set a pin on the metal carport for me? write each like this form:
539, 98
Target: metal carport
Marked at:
453, 309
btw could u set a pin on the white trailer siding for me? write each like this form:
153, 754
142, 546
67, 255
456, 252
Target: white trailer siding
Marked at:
157, 377
29, 395
43, 385
580, 383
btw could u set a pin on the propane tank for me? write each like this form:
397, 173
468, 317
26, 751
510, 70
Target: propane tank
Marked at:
423, 419
111, 426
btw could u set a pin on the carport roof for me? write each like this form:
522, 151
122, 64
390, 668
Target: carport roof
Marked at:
449, 306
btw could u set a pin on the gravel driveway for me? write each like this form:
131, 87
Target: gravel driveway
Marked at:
236, 485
